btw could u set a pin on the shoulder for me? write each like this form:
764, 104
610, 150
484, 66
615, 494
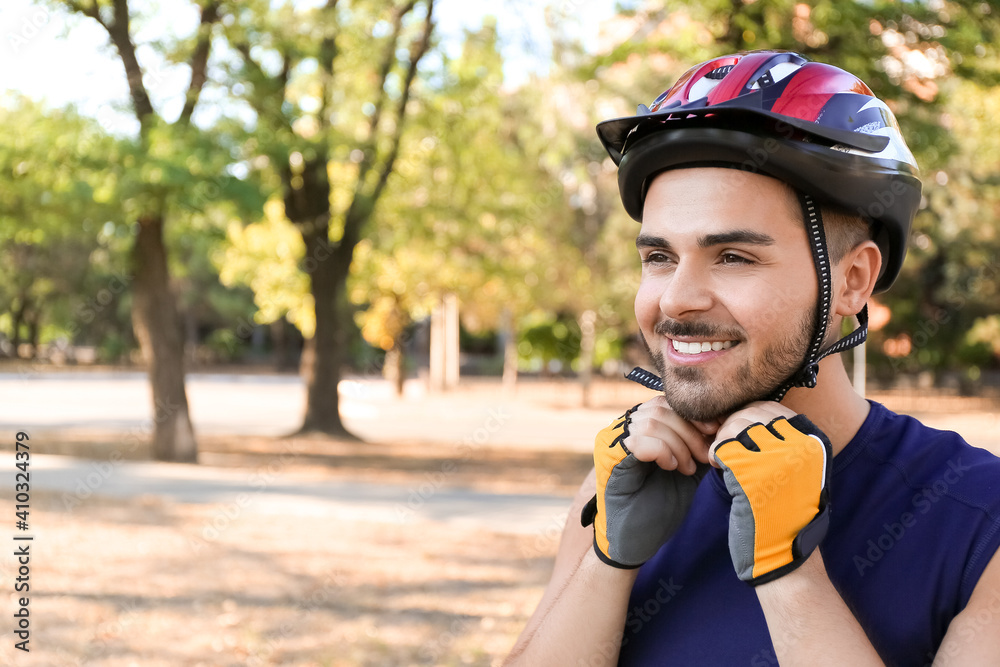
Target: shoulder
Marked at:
949, 487
921, 457
914, 502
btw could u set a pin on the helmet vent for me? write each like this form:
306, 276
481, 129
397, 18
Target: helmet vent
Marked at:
720, 72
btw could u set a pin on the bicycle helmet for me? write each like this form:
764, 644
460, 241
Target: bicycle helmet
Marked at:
811, 125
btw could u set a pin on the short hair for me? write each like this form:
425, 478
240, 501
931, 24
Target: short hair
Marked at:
845, 231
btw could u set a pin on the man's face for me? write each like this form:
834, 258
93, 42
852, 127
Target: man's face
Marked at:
728, 292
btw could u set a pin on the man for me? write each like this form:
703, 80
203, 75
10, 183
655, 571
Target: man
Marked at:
775, 196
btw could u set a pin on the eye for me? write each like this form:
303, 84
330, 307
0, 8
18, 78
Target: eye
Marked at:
733, 258
656, 257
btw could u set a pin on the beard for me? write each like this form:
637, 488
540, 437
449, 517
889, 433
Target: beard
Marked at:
694, 397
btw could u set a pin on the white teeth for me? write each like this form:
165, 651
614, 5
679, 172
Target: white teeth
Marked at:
698, 348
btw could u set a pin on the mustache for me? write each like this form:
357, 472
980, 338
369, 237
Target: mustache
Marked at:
677, 329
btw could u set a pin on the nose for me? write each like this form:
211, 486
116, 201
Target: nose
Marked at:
686, 290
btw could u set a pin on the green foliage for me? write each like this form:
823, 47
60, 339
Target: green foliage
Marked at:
54, 228
265, 256
982, 342
471, 210
225, 345
502, 196
551, 339
501, 201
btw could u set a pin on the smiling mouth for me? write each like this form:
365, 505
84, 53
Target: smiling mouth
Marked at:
699, 347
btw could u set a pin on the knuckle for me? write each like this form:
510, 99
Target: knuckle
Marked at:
640, 448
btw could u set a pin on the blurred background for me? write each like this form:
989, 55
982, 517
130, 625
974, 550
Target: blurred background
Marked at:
378, 243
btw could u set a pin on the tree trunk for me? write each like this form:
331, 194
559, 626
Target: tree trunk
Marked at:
395, 366
324, 352
18, 317
158, 330
307, 204
281, 347
307, 192
34, 331
154, 309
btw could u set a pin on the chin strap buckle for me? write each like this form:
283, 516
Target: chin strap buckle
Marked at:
807, 376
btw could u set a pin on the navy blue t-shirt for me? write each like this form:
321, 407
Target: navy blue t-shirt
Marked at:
915, 518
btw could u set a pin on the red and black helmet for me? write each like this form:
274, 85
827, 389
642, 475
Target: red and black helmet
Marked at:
812, 125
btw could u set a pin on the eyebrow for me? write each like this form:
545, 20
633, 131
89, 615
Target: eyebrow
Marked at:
740, 236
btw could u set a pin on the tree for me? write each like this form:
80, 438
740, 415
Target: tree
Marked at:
50, 217
160, 156
484, 209
330, 89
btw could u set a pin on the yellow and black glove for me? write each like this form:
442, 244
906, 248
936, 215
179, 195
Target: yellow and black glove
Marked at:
638, 505
778, 476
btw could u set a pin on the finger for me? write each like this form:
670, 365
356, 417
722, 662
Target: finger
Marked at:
654, 449
697, 435
674, 441
780, 408
764, 411
699, 450
736, 425
682, 435
668, 451
707, 428
732, 428
759, 412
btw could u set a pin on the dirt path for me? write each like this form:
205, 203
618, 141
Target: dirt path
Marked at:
274, 489
156, 583
428, 546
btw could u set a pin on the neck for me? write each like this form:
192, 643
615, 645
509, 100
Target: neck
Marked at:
832, 404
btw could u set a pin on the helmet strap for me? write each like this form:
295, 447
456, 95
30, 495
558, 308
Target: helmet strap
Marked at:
806, 376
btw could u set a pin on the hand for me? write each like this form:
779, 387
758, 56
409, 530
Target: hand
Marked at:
778, 476
649, 463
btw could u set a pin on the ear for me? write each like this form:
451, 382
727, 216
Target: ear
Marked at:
856, 274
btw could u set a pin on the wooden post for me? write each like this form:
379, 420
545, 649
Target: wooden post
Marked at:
859, 368
508, 338
444, 362
437, 349
452, 351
